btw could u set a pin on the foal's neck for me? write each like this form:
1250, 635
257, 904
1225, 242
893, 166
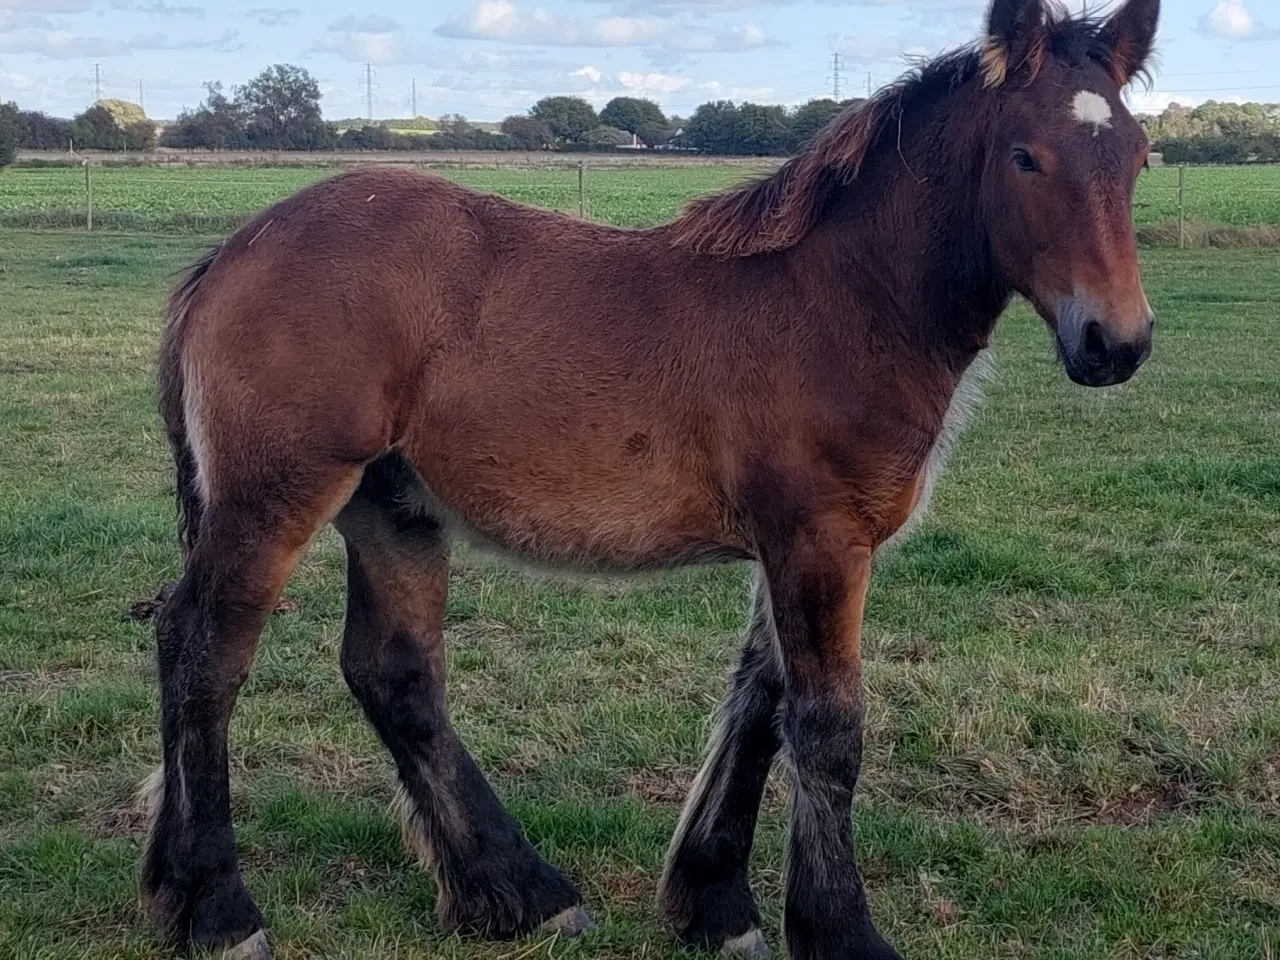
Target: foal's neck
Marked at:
911, 229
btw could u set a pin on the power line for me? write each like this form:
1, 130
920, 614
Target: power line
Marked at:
97, 82
414, 96
368, 90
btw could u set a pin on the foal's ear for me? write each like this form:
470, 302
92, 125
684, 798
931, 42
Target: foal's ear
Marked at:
1129, 35
1015, 30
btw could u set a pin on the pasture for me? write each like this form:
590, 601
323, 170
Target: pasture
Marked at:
218, 198
1073, 740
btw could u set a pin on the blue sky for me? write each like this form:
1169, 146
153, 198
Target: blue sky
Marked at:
489, 58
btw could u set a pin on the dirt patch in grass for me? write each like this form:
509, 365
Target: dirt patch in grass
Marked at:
935, 903
59, 777
42, 679
527, 755
628, 885
660, 789
672, 789
332, 766
1143, 805
900, 649
126, 822
145, 610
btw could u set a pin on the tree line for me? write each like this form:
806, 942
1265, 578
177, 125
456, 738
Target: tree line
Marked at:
1218, 133
280, 110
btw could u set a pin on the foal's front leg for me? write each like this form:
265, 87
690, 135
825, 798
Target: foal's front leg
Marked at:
818, 584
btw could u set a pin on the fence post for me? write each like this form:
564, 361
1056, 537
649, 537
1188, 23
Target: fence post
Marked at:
1182, 206
582, 196
88, 197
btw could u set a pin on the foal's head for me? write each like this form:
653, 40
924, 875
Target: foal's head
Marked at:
1036, 108
1057, 190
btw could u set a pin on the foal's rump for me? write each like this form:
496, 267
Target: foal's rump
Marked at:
514, 357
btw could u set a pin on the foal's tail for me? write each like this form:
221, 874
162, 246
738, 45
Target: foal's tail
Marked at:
172, 407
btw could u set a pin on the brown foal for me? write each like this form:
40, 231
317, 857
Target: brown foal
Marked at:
771, 377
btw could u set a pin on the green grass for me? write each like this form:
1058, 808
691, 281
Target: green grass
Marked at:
200, 200
1073, 669
216, 199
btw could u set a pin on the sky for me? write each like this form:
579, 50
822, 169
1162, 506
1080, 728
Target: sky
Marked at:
486, 59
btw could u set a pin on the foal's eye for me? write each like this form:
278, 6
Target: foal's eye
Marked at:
1024, 161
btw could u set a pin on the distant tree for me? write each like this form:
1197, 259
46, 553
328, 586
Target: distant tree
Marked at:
140, 136
281, 107
528, 133
763, 130
568, 117
644, 118
1219, 149
217, 124
454, 123
39, 131
603, 136
713, 128
808, 120
368, 137
96, 129
1211, 119
10, 133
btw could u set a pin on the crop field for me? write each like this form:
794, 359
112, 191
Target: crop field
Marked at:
147, 198
1073, 669
200, 200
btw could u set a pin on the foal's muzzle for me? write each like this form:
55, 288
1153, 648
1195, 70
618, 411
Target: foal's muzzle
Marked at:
1093, 353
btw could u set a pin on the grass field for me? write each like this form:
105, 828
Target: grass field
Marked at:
200, 200
1074, 669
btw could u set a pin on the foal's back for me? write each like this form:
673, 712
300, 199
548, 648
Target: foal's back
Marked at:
574, 393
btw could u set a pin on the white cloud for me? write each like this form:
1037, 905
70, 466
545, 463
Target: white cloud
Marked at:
590, 72
641, 84
1153, 102
157, 8
47, 6
1231, 20
274, 16
715, 90
65, 45
627, 31
505, 21
373, 38
730, 40
22, 20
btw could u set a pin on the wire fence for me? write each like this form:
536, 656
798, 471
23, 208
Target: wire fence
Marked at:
1172, 205
1199, 202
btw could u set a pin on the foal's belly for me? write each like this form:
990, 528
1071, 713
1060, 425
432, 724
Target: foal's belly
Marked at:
590, 499
623, 533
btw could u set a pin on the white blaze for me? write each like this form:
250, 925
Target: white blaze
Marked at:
1093, 109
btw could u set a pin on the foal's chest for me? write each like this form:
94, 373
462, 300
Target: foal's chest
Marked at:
963, 405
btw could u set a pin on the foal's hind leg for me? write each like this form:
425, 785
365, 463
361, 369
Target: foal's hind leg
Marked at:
491, 880
705, 892
206, 634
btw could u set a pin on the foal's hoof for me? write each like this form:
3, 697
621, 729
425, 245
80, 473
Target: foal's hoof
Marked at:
254, 948
751, 945
570, 923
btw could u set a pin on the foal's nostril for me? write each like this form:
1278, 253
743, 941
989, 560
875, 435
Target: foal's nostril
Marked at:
1095, 341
